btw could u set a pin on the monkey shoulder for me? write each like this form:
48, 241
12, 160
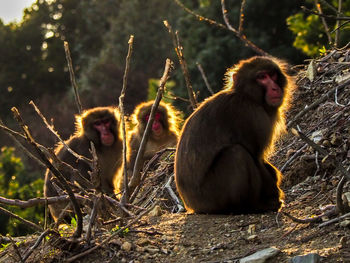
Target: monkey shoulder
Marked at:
80, 145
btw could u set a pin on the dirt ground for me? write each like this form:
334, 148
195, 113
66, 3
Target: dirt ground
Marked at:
310, 183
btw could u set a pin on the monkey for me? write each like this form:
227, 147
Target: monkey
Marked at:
164, 132
99, 125
221, 159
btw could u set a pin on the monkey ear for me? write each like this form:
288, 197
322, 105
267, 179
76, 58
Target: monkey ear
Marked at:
234, 77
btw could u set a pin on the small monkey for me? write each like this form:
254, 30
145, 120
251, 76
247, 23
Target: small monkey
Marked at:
99, 125
163, 135
221, 161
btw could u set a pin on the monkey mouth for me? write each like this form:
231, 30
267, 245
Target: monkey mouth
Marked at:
107, 139
275, 101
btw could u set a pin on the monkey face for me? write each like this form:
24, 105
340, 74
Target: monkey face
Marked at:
157, 126
273, 92
103, 127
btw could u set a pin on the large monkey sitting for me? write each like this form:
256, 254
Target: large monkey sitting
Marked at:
221, 159
101, 126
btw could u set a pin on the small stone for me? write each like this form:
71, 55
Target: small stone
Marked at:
345, 223
176, 248
309, 258
143, 241
251, 229
260, 256
126, 246
152, 249
252, 237
343, 240
156, 211
140, 249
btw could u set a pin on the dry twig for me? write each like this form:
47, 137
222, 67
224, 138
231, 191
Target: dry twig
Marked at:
72, 77
26, 222
111, 236
125, 196
54, 171
237, 33
136, 176
200, 68
52, 129
178, 49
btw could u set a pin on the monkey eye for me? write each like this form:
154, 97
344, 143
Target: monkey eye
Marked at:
262, 75
273, 76
157, 116
101, 122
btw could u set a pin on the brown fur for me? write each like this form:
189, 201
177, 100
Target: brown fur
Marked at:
221, 159
170, 119
109, 157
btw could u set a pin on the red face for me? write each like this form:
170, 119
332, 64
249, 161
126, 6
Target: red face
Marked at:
157, 127
104, 129
274, 93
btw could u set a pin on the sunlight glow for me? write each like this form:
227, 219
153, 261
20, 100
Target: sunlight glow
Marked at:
12, 10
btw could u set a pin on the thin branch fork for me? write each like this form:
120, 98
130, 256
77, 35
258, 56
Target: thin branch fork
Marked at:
237, 33
178, 49
39, 200
346, 18
72, 76
52, 129
25, 221
136, 176
55, 172
125, 196
111, 236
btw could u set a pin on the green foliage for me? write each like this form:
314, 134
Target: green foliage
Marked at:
310, 33
153, 86
14, 186
122, 233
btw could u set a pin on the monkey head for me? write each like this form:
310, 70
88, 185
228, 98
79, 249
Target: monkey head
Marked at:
261, 79
99, 125
165, 119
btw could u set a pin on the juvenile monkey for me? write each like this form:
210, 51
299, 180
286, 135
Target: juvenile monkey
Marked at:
221, 161
163, 135
164, 130
101, 126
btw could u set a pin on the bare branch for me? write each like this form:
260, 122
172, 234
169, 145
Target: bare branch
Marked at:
178, 49
239, 34
241, 17
336, 40
111, 236
200, 68
52, 129
13, 134
136, 176
324, 22
148, 165
26, 222
72, 77
54, 171
39, 200
339, 166
125, 196
346, 18
37, 243
318, 102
